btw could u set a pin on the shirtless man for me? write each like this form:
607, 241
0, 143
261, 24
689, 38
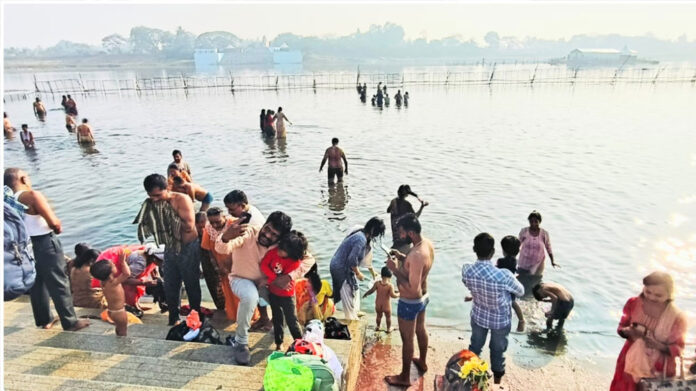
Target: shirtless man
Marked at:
411, 274
39, 109
334, 154
27, 137
194, 191
181, 260
84, 133
70, 123
51, 279
6, 124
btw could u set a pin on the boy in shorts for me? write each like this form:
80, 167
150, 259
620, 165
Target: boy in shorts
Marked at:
105, 271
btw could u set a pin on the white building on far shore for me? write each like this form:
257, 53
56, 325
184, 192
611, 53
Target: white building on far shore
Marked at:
601, 57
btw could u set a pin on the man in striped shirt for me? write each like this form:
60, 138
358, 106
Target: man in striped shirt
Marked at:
492, 291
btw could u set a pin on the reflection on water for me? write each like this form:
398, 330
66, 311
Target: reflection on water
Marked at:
275, 149
336, 201
613, 214
551, 342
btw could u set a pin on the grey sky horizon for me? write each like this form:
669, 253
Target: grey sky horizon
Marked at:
31, 25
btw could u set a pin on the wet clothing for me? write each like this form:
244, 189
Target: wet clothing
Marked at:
531, 257
208, 199
563, 309
159, 220
408, 309
335, 172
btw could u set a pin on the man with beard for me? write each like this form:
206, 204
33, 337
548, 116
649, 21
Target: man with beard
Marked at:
248, 244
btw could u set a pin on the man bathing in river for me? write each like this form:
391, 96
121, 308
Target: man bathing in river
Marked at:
334, 155
70, 123
84, 133
411, 274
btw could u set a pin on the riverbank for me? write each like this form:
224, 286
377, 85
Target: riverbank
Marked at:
382, 356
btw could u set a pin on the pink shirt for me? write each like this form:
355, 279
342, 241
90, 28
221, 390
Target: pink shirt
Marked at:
532, 250
246, 253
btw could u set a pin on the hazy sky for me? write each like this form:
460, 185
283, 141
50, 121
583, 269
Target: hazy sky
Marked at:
29, 25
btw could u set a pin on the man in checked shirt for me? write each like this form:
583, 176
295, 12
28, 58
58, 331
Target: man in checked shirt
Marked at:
491, 289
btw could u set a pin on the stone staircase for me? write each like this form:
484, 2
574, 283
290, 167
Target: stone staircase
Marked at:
95, 359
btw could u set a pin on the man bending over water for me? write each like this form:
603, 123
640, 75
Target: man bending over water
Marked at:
334, 154
196, 192
411, 274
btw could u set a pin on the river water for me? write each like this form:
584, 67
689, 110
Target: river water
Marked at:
610, 168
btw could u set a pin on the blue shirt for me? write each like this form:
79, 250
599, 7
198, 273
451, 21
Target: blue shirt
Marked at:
491, 288
347, 256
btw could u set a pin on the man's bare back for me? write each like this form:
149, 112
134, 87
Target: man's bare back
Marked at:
84, 130
417, 264
335, 156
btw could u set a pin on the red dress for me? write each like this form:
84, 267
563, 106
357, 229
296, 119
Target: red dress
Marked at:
633, 312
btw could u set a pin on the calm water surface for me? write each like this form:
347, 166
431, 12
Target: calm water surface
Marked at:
610, 168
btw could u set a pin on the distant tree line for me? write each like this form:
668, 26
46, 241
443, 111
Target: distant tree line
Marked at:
379, 41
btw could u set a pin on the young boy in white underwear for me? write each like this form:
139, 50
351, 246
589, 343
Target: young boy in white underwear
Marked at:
105, 271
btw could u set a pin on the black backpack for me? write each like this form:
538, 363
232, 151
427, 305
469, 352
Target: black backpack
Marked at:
19, 271
333, 329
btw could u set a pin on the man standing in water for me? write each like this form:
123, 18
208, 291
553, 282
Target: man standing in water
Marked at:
39, 109
334, 154
181, 164
51, 280
169, 217
411, 274
84, 133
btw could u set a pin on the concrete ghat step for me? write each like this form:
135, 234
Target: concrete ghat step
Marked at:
145, 347
23, 382
125, 369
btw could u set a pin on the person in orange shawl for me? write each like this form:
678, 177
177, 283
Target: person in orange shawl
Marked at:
655, 332
313, 297
143, 262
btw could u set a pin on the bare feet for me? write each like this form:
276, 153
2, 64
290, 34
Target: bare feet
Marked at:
144, 308
420, 364
50, 324
279, 347
397, 381
261, 323
81, 324
520, 326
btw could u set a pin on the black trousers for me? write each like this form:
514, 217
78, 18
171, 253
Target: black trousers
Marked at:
282, 306
51, 283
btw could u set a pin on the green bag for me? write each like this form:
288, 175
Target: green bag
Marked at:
324, 379
284, 374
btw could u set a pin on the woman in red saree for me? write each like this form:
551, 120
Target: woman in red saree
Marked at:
655, 332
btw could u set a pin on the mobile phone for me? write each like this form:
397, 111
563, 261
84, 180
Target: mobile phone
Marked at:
245, 218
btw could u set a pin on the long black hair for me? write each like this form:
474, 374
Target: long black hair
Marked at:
313, 276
